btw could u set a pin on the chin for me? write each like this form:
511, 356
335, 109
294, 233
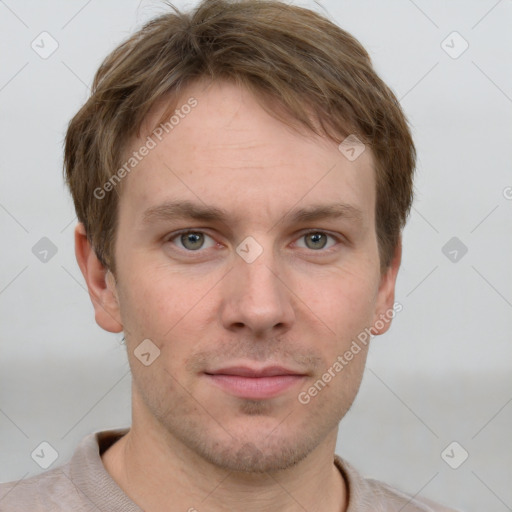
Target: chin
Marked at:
250, 444
249, 458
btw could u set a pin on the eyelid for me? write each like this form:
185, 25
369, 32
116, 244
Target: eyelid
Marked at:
176, 234
336, 236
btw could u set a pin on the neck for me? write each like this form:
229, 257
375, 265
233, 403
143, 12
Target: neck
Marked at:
155, 470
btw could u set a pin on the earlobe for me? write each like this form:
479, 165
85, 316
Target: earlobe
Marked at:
385, 310
100, 283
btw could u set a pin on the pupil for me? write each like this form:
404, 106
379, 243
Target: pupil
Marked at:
315, 238
192, 240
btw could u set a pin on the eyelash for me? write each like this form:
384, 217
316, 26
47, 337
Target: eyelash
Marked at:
336, 238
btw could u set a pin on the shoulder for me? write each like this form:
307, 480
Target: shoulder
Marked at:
372, 495
52, 490
396, 500
81, 485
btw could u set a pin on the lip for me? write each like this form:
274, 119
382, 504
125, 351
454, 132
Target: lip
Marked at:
255, 384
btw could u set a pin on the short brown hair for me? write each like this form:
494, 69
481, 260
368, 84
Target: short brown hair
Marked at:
319, 74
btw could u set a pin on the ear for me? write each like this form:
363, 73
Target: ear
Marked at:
385, 310
100, 283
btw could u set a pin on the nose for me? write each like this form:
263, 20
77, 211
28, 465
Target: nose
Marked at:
257, 299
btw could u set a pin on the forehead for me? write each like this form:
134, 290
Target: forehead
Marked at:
222, 148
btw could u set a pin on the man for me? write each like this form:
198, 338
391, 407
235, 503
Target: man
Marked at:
241, 176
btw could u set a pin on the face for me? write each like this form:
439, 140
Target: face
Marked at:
246, 252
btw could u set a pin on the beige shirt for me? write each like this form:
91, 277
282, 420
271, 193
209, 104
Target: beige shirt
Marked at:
83, 485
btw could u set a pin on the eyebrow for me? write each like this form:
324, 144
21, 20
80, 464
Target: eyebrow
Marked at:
172, 210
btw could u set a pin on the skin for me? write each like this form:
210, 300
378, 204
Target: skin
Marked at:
297, 305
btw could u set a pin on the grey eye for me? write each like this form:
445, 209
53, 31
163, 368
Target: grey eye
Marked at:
315, 240
192, 241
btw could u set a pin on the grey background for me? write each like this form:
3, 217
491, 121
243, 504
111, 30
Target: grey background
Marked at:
441, 374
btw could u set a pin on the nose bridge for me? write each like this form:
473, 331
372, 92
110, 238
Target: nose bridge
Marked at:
257, 299
260, 280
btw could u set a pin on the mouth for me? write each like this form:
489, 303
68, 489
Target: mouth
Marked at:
255, 384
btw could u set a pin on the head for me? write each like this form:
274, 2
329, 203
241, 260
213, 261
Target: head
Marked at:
220, 220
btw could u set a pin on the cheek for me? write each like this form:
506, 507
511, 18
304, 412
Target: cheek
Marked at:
163, 305
144, 304
147, 287
344, 300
